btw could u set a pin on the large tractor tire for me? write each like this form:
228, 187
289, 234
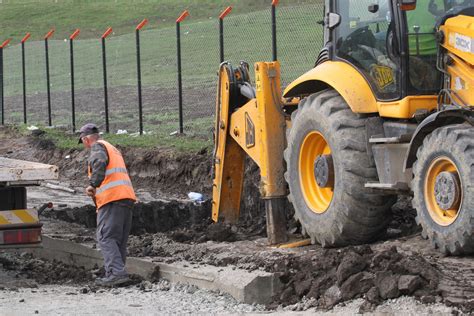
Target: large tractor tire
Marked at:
327, 168
443, 188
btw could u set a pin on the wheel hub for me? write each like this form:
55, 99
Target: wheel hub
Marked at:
313, 163
447, 190
324, 171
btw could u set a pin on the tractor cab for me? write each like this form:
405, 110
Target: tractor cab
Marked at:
392, 43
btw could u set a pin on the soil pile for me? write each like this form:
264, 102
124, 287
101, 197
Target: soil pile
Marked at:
327, 276
333, 276
162, 170
43, 271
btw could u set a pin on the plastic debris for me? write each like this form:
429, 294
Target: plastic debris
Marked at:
196, 197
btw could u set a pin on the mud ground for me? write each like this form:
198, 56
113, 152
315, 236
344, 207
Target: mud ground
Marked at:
170, 229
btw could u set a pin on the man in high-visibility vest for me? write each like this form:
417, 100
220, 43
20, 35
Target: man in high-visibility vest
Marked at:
112, 191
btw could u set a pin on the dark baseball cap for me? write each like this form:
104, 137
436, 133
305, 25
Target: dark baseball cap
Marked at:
87, 129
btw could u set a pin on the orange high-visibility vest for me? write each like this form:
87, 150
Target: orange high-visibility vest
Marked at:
116, 185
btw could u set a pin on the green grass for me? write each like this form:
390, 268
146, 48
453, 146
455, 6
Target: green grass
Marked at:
247, 37
185, 143
93, 16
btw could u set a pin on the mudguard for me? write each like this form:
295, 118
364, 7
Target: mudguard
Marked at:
344, 78
432, 122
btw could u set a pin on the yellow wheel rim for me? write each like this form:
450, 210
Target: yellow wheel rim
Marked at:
317, 198
443, 217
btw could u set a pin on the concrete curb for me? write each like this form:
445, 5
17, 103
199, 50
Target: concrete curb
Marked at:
247, 287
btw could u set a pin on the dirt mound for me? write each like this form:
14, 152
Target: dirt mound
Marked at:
328, 276
162, 170
44, 271
334, 276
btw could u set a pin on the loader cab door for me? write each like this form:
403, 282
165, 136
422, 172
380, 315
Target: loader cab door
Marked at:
366, 38
422, 47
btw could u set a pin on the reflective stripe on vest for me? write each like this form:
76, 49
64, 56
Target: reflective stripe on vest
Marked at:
116, 170
113, 184
116, 184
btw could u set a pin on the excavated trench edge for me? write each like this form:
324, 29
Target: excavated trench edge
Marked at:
247, 287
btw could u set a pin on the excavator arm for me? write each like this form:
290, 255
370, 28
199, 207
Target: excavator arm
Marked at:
250, 122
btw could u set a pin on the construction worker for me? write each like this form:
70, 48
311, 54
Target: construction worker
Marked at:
112, 191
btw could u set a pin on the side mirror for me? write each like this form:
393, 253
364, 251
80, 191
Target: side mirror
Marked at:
407, 5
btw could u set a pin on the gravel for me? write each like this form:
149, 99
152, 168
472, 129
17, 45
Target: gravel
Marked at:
164, 299
145, 299
406, 306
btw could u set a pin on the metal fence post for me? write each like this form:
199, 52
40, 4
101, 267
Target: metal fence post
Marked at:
274, 30
221, 31
180, 79
139, 74
23, 68
48, 85
71, 51
2, 90
104, 67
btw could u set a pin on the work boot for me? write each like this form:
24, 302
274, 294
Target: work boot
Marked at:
113, 281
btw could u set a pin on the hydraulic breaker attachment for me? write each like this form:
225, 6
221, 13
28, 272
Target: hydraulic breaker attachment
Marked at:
250, 122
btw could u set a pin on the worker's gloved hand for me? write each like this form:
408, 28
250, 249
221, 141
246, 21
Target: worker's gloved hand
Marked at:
90, 191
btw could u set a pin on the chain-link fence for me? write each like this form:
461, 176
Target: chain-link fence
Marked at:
247, 37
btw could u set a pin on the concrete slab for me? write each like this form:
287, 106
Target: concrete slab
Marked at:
247, 287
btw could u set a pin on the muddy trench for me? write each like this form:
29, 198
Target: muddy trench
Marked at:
170, 229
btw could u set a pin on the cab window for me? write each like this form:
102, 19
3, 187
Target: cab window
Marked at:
364, 38
421, 22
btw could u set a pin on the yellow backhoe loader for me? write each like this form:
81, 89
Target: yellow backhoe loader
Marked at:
387, 110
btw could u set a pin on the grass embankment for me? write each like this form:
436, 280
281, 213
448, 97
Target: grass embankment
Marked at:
37, 16
247, 37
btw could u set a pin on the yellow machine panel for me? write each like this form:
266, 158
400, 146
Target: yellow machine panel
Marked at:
459, 42
352, 85
253, 126
354, 88
18, 217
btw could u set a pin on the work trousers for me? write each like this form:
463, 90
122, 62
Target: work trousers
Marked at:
114, 221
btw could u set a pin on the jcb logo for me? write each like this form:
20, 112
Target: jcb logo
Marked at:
383, 75
463, 43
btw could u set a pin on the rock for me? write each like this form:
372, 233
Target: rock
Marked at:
357, 284
287, 294
367, 307
331, 297
22, 300
164, 286
429, 299
320, 285
351, 264
146, 285
302, 288
387, 284
407, 284
373, 296
384, 259
363, 250
420, 266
